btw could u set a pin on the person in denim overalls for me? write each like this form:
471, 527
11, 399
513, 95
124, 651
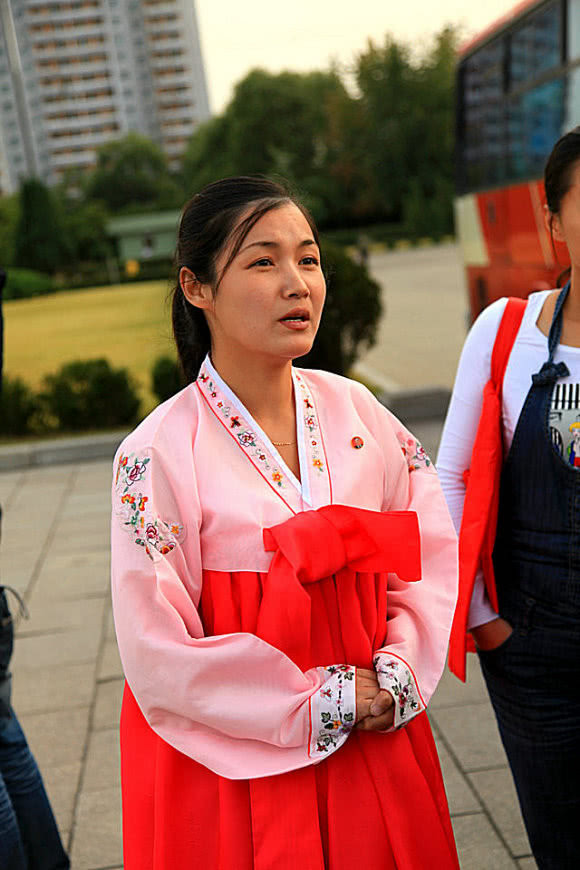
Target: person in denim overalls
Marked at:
29, 838
530, 648
533, 676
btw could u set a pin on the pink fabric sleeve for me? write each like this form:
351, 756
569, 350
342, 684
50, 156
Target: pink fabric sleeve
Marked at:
234, 703
419, 615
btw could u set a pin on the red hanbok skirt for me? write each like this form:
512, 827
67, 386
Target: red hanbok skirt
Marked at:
378, 801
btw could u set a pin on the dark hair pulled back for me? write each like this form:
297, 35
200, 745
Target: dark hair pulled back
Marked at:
558, 177
209, 222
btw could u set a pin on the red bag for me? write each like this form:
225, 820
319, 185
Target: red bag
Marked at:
479, 523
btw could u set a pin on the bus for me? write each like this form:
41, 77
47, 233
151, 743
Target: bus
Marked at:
518, 90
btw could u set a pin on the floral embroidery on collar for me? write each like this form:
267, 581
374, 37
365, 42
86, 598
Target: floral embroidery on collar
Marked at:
248, 440
149, 531
414, 453
312, 428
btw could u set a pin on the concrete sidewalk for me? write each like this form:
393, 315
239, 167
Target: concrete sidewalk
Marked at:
68, 678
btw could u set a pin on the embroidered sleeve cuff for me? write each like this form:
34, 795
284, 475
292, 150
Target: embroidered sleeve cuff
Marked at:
394, 675
332, 710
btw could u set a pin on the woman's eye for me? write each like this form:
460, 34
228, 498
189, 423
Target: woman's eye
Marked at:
309, 261
263, 261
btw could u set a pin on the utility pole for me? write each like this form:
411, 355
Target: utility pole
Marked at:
7, 22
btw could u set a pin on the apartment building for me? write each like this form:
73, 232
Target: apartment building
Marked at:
77, 73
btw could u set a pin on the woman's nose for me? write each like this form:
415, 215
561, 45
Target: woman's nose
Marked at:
295, 285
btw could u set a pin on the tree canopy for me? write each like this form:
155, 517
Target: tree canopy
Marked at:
371, 144
382, 153
132, 173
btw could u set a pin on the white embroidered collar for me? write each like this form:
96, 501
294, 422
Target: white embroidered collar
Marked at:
314, 488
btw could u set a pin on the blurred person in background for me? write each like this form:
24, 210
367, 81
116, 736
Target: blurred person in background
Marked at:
529, 648
29, 838
265, 542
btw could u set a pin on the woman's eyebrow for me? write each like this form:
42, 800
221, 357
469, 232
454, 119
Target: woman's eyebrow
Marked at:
268, 244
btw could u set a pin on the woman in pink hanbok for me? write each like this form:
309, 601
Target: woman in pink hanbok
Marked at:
284, 580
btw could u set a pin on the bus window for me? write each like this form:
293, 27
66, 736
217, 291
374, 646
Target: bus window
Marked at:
535, 122
536, 45
482, 149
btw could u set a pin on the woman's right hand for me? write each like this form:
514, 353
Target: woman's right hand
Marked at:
367, 689
492, 634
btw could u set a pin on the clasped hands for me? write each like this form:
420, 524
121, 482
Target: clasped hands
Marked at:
375, 707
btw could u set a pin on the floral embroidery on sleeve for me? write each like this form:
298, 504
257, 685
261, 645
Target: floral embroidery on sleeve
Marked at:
397, 678
157, 536
414, 453
332, 709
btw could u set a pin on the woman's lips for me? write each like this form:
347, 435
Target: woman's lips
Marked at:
295, 324
297, 318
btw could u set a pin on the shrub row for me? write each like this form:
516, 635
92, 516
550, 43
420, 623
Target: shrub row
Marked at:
81, 395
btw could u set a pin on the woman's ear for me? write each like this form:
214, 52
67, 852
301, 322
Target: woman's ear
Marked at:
553, 225
196, 293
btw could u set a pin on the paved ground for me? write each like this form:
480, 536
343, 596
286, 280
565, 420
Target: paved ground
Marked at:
421, 334
68, 678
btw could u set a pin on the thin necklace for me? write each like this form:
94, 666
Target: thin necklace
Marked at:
283, 443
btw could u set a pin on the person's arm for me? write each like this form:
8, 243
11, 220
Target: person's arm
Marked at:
232, 702
455, 453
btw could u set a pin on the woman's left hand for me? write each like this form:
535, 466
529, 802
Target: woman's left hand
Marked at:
382, 712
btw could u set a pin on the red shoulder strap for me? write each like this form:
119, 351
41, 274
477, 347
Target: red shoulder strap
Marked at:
504, 340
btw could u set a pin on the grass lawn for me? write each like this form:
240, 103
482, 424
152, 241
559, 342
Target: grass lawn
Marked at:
129, 324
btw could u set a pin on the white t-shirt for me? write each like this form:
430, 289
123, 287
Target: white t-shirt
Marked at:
529, 353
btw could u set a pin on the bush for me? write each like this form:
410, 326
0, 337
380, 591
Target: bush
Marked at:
23, 283
89, 394
351, 313
18, 406
166, 378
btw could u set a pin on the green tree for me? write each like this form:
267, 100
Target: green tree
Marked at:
408, 104
277, 125
133, 173
9, 216
85, 223
41, 242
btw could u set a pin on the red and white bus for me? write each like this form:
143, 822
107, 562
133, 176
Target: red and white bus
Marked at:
518, 90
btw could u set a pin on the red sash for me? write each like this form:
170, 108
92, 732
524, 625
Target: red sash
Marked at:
479, 522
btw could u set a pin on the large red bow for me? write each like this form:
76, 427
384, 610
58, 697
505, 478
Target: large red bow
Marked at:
316, 544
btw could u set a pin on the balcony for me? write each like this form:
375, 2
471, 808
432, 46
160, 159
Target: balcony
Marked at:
39, 40
69, 89
96, 68
184, 114
82, 142
92, 122
77, 158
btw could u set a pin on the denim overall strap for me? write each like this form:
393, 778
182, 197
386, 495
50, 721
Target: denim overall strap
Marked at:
536, 552
550, 371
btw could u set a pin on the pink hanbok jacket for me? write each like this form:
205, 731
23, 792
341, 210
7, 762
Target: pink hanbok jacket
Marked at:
196, 487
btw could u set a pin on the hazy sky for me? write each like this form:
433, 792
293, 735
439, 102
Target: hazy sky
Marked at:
305, 34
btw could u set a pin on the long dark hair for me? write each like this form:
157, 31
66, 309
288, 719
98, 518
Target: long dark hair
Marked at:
209, 222
558, 178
